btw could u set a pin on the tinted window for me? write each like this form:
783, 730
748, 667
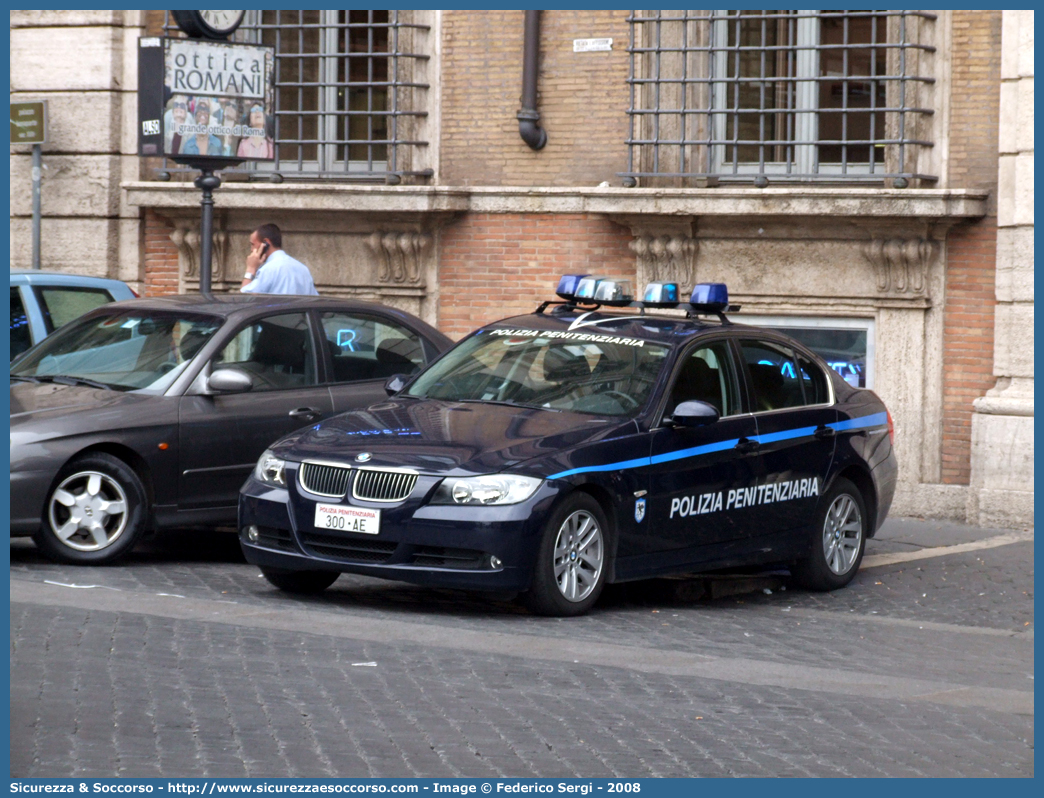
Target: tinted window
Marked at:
534, 370
276, 352
363, 348
814, 381
773, 376
20, 339
706, 375
60, 305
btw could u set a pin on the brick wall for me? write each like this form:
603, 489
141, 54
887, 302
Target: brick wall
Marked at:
497, 265
967, 339
583, 99
971, 249
161, 256
975, 101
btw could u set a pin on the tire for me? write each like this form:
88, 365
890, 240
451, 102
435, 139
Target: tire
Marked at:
306, 582
95, 513
838, 539
572, 561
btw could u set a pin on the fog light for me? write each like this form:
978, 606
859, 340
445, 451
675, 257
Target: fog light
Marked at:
253, 534
494, 562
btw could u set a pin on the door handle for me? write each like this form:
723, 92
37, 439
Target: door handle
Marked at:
824, 433
304, 412
747, 446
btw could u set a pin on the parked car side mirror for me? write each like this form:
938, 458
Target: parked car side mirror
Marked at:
229, 381
694, 413
395, 383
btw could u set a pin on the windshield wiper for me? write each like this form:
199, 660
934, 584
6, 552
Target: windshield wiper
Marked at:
24, 378
486, 402
67, 379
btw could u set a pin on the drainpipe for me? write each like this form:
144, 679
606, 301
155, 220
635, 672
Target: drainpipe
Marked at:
528, 115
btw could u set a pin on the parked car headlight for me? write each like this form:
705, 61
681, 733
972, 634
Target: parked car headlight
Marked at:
271, 470
492, 489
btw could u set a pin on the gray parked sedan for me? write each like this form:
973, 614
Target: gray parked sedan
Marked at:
151, 413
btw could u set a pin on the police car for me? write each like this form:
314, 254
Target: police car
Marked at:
552, 453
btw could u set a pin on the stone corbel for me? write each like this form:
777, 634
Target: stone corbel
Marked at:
400, 256
667, 258
901, 264
186, 238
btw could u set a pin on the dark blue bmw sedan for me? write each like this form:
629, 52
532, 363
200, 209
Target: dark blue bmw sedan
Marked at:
552, 453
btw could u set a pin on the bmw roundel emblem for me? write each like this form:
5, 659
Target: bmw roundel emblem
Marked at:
639, 510
363, 457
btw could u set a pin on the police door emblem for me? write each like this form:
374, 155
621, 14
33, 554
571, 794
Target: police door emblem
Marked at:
639, 510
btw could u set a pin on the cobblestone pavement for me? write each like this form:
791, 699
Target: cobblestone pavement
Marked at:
183, 662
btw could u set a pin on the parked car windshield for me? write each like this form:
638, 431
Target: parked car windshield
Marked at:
125, 350
605, 378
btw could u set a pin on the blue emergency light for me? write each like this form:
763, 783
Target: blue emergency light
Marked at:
710, 298
661, 294
568, 284
585, 289
614, 292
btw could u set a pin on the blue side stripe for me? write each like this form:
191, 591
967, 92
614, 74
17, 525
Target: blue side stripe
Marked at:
681, 454
864, 422
877, 419
638, 463
785, 435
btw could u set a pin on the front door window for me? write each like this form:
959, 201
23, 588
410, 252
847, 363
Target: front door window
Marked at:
276, 352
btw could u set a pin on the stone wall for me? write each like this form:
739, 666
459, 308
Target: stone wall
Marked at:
1002, 427
84, 63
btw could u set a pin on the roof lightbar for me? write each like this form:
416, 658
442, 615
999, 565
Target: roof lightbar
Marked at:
589, 289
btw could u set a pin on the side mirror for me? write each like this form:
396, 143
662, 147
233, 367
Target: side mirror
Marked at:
395, 383
229, 381
694, 414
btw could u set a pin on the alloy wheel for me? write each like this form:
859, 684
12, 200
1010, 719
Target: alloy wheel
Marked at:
579, 556
88, 511
842, 534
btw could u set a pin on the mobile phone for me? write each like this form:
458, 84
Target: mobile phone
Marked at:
264, 248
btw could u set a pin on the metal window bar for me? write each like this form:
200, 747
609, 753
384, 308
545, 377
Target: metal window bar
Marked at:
805, 96
347, 103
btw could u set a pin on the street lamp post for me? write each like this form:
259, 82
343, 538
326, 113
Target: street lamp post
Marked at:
206, 182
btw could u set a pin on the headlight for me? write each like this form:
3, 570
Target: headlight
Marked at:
270, 470
492, 489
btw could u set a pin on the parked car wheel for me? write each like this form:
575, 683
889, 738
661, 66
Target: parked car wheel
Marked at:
308, 582
839, 538
95, 513
573, 559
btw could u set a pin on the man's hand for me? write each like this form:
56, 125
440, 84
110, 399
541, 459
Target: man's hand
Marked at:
257, 257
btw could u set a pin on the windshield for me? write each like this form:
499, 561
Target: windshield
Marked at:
533, 370
124, 350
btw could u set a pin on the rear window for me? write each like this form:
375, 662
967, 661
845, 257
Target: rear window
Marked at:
61, 304
773, 376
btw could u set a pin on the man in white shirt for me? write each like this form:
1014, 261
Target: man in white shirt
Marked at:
281, 273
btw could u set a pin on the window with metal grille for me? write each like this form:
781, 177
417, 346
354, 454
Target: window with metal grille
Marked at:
740, 96
350, 92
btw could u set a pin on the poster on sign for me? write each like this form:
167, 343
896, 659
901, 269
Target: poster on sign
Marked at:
206, 100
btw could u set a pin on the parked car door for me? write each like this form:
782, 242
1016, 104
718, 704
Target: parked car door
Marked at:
362, 352
223, 435
697, 471
793, 410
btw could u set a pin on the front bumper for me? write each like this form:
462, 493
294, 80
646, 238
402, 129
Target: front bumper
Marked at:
472, 548
28, 494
